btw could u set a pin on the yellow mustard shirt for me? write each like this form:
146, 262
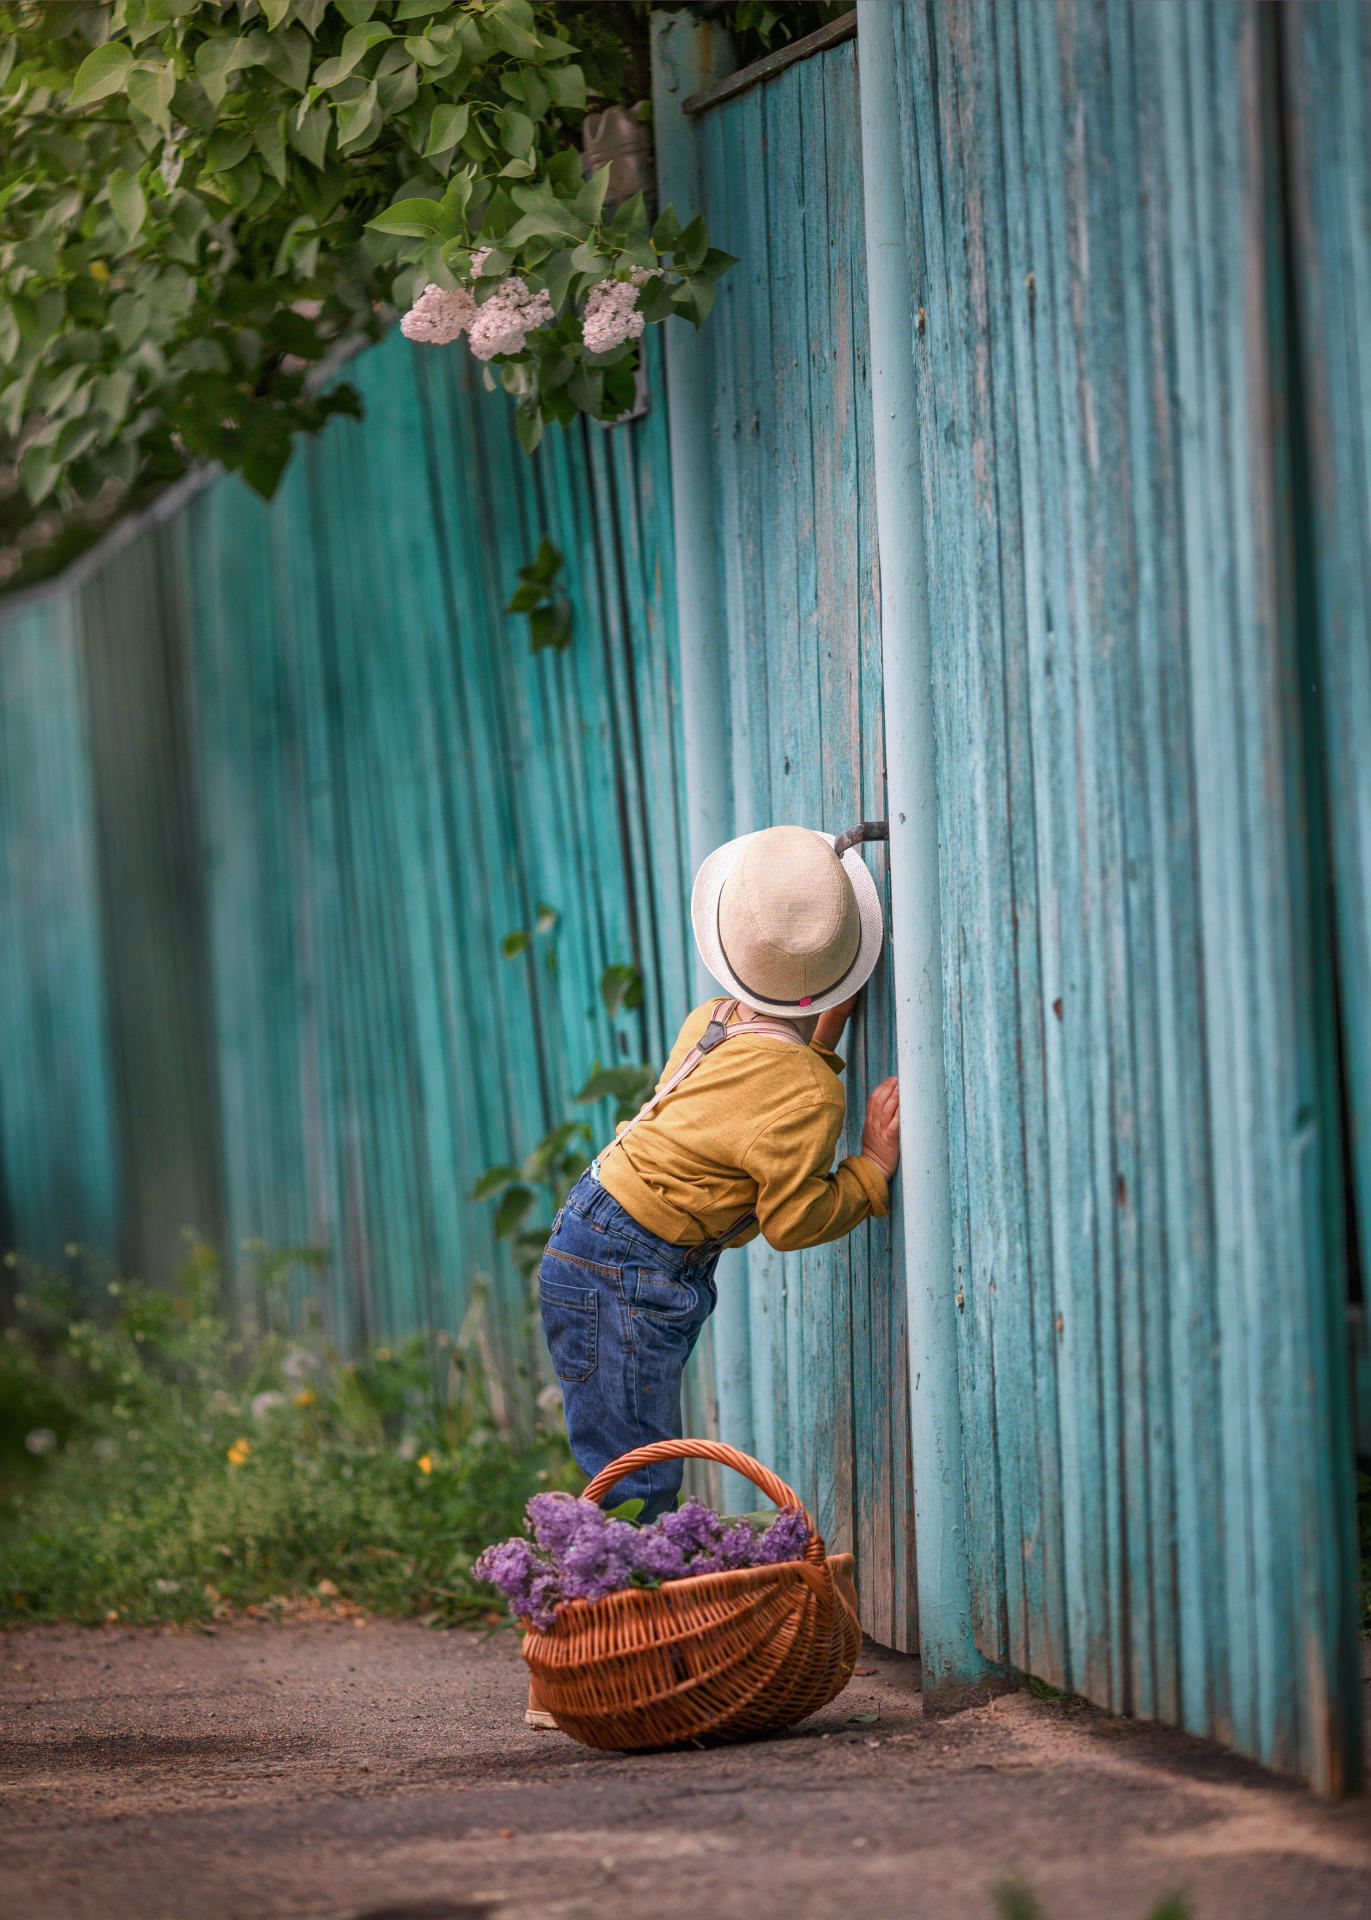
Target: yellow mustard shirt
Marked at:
753, 1128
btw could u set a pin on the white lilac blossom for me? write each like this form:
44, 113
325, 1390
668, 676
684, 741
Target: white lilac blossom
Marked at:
612, 311
502, 321
439, 315
579, 1553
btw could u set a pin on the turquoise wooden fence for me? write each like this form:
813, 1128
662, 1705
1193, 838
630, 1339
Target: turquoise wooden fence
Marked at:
282, 779
820, 1353
1150, 1302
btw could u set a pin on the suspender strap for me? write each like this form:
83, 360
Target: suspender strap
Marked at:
713, 1036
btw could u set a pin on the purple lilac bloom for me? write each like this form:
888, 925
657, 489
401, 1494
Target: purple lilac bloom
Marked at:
579, 1553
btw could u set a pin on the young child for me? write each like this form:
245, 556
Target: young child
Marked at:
738, 1139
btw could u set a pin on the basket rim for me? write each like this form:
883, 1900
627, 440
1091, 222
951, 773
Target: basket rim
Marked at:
693, 1585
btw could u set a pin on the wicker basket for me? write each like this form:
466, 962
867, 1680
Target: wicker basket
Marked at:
717, 1656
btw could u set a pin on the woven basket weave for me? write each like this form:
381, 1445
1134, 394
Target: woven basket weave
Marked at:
717, 1656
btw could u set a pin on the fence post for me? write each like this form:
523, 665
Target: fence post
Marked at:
687, 54
951, 1664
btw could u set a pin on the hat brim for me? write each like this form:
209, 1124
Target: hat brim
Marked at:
704, 918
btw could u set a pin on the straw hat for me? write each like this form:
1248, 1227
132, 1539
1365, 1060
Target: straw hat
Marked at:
784, 923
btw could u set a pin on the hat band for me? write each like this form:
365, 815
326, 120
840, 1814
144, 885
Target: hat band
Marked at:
762, 999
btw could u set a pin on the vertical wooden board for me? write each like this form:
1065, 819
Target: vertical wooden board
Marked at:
59, 1133
1326, 62
793, 490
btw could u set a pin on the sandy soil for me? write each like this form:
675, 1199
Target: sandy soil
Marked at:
384, 1770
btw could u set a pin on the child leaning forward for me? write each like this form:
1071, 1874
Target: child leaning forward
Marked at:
738, 1139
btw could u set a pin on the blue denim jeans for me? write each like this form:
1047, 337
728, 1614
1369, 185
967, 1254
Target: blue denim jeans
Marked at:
622, 1311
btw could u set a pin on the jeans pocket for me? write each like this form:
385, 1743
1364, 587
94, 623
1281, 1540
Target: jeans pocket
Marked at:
664, 1297
571, 1323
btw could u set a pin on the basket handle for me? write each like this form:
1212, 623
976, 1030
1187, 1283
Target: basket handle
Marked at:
761, 1477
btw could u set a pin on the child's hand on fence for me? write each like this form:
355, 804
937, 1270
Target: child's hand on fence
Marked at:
881, 1134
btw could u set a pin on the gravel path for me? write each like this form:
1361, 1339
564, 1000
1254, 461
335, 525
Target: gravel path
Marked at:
384, 1770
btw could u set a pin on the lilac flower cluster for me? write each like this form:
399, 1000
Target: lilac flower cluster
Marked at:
612, 311
498, 325
579, 1553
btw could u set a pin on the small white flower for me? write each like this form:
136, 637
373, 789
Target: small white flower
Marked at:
297, 1363
439, 315
612, 315
502, 321
408, 1447
268, 1402
40, 1440
167, 1586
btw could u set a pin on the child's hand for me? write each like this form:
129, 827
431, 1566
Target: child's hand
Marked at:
829, 1030
881, 1134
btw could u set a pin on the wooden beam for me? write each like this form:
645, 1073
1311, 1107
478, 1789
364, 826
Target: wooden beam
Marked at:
762, 70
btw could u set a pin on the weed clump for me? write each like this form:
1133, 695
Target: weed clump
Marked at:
156, 1466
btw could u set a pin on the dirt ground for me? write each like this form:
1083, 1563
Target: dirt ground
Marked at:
384, 1770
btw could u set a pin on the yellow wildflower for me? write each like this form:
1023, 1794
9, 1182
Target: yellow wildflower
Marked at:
238, 1452
98, 270
306, 1397
425, 1463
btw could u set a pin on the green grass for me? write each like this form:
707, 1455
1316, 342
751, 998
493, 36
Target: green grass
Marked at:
183, 1473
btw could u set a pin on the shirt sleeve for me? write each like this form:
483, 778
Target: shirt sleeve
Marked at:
800, 1203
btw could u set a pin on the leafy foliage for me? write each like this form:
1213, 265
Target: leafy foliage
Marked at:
627, 1086
192, 1472
621, 986
199, 199
555, 1164
516, 941
537, 595
1015, 1901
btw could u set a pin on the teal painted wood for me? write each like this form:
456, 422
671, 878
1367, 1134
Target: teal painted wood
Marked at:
311, 763
1150, 1397
61, 1166
1329, 89
825, 1341
420, 785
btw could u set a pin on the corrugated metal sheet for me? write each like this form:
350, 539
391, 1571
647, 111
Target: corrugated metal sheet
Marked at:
1159, 1503
324, 776
824, 1337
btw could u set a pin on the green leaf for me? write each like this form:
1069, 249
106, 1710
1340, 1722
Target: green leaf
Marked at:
525, 597
356, 45
127, 201
309, 130
448, 126
549, 626
862, 1719
666, 235
717, 263
503, 25
516, 132
418, 9
416, 217
39, 471
693, 245
215, 59
101, 73
621, 986
355, 117
491, 1181
591, 198
555, 223
271, 144
547, 562
626, 1510
151, 91
512, 1209
567, 85
547, 920
514, 943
